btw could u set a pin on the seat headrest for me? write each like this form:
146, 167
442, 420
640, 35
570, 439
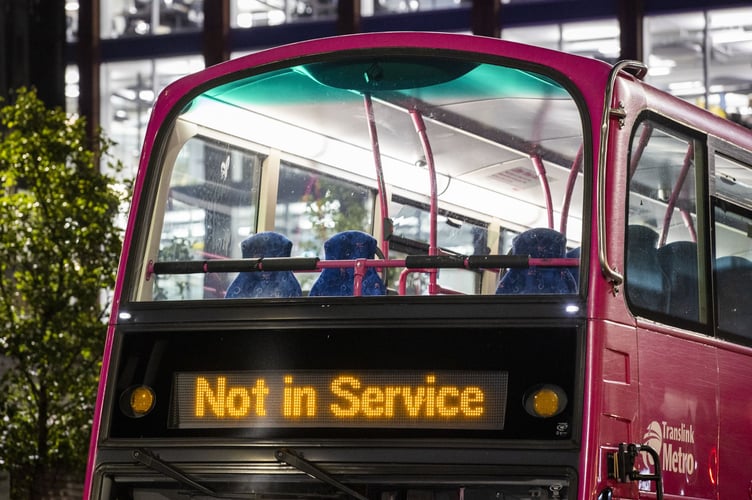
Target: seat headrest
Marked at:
266, 244
642, 236
350, 245
540, 242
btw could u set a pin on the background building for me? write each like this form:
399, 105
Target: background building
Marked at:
108, 59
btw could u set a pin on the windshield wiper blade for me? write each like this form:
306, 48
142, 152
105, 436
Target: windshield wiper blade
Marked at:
293, 459
173, 472
151, 461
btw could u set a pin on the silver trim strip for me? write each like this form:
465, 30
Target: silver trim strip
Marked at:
615, 277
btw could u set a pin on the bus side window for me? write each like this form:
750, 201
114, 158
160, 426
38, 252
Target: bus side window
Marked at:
456, 235
313, 206
732, 231
732, 280
209, 206
662, 266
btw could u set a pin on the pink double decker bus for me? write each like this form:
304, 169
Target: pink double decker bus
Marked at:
413, 266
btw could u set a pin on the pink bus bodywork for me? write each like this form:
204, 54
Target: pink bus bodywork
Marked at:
679, 391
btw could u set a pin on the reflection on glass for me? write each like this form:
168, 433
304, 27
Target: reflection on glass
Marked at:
211, 207
456, 235
312, 207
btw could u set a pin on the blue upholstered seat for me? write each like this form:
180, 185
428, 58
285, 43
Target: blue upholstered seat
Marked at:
733, 276
730, 262
646, 283
574, 253
538, 243
679, 263
265, 283
348, 245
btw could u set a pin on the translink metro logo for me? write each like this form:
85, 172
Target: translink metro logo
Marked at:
674, 444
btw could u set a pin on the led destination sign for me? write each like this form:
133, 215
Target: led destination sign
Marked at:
327, 398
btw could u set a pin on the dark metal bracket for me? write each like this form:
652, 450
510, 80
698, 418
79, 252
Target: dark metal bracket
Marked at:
621, 466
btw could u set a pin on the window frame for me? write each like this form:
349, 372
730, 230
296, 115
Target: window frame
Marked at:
720, 147
705, 298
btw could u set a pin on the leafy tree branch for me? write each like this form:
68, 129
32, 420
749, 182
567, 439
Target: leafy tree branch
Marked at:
59, 249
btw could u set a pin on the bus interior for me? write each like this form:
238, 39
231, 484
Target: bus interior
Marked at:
443, 161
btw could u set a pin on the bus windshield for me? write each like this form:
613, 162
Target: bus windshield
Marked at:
241, 487
430, 155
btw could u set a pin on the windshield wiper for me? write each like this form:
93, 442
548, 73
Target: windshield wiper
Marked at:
151, 461
173, 472
293, 459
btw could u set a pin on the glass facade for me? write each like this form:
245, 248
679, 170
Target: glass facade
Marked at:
254, 13
250, 13
378, 7
702, 56
127, 18
124, 18
598, 39
128, 90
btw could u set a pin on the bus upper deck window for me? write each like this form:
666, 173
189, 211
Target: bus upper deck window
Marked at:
354, 144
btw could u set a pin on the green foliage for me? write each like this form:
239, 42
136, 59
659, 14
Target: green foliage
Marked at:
59, 249
177, 249
333, 207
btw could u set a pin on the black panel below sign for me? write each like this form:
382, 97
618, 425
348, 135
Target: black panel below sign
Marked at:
456, 358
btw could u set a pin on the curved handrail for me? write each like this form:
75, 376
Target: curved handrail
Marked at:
376, 151
571, 180
540, 171
675, 193
609, 272
433, 247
